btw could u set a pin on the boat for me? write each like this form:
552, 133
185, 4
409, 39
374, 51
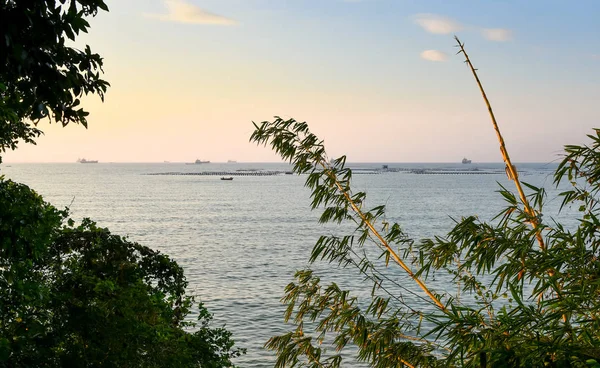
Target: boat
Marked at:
466, 161
231, 161
227, 178
84, 161
197, 162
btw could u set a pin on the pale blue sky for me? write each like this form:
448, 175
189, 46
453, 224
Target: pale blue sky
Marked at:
189, 76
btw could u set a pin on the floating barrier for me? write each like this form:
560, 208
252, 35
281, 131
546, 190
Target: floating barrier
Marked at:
225, 173
355, 172
427, 172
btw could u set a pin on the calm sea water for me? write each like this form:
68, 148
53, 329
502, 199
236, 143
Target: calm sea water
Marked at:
241, 241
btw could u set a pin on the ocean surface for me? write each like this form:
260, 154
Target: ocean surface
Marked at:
241, 241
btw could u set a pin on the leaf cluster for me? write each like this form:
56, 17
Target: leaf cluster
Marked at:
41, 74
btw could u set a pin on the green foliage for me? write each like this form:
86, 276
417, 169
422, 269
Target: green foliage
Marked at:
83, 297
511, 303
78, 296
40, 75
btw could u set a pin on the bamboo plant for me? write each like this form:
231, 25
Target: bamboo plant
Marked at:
527, 294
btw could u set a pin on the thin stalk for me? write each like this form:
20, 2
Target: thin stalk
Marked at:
383, 242
511, 170
406, 363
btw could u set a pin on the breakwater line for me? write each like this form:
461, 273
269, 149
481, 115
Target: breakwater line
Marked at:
355, 171
358, 169
226, 173
455, 172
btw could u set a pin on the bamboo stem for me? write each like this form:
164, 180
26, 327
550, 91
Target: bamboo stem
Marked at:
406, 363
383, 242
395, 256
511, 170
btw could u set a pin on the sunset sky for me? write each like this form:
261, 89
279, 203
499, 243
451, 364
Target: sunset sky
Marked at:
378, 80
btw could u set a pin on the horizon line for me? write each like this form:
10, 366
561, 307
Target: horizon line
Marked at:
274, 162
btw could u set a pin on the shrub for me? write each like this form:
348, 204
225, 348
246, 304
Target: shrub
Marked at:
83, 297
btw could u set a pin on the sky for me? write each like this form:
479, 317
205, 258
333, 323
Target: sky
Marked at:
377, 80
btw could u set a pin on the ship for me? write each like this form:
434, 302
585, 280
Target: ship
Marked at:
84, 161
466, 161
197, 162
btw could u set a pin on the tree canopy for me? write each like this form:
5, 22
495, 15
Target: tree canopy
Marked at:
42, 76
80, 296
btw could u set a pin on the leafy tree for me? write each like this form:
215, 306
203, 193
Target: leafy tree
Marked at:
78, 295
83, 297
527, 292
40, 75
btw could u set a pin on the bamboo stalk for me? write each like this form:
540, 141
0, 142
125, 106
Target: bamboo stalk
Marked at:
511, 170
406, 363
385, 244
395, 256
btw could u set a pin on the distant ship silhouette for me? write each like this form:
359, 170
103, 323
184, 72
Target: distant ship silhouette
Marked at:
84, 161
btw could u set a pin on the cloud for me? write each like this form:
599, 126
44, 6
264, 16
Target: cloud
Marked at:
434, 55
437, 24
497, 34
180, 11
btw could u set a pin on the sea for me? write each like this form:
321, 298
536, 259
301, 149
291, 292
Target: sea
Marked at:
240, 241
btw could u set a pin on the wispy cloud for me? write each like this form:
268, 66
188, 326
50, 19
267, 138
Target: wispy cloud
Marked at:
180, 11
497, 34
437, 24
434, 55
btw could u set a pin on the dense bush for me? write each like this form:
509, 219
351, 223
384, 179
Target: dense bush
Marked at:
81, 296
